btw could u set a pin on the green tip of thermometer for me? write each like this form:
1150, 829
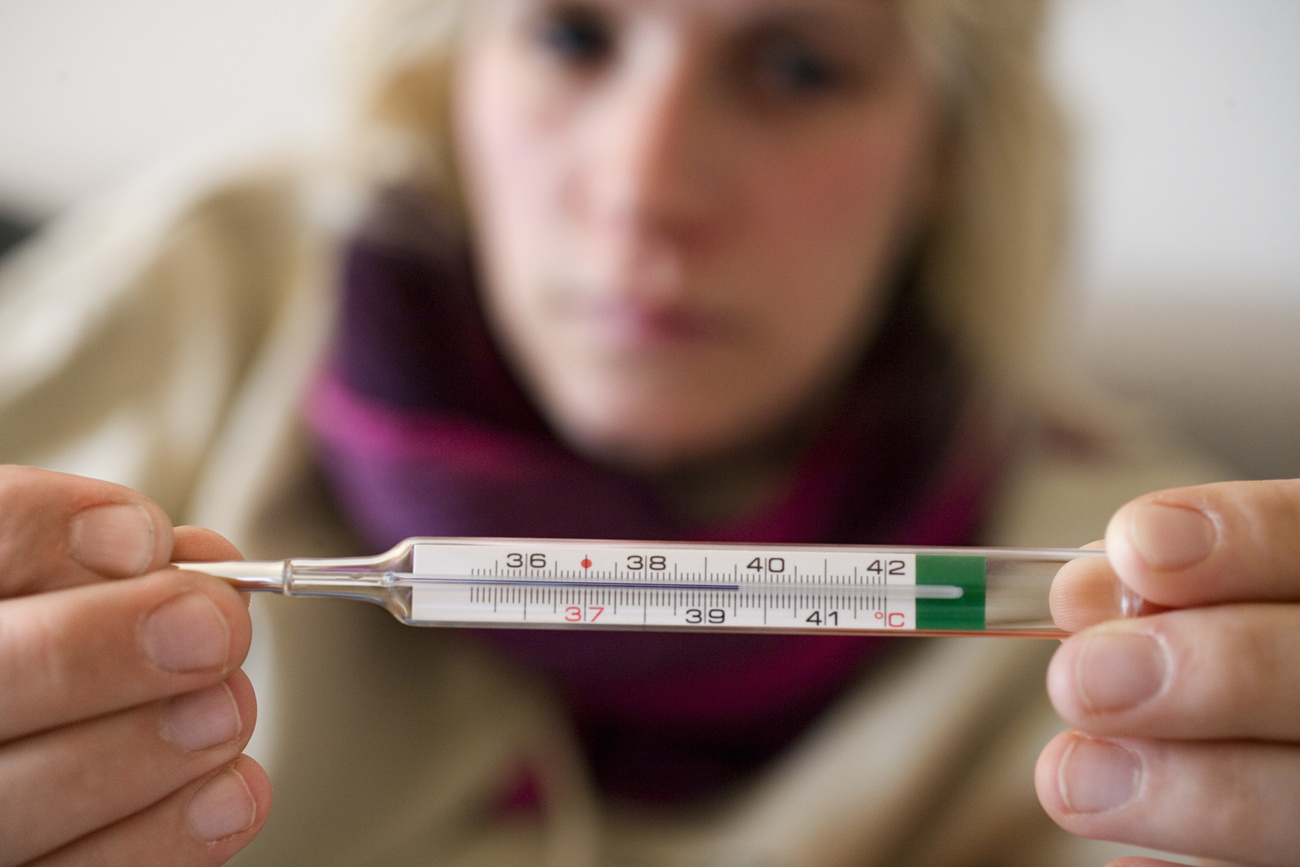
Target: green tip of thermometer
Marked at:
585, 584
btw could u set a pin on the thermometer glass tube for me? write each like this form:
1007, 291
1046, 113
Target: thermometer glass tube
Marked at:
589, 584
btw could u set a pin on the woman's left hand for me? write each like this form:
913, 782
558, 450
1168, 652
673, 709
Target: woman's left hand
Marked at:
1186, 722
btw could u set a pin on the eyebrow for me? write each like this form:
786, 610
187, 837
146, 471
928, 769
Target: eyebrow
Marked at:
761, 7
870, 15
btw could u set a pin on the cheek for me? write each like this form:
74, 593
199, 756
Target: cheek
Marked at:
511, 163
824, 234
837, 215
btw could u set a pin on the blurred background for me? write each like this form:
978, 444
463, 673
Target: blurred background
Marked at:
1186, 258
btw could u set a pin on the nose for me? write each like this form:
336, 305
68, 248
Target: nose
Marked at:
653, 145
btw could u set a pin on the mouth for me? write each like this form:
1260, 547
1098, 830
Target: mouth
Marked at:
647, 326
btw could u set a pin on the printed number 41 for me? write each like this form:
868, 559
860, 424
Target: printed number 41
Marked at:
832, 618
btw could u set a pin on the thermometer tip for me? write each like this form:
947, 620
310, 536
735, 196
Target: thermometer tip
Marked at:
243, 574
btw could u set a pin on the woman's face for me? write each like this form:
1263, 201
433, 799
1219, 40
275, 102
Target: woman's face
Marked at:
687, 212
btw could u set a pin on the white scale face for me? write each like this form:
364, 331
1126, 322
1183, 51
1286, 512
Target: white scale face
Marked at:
595, 584
663, 585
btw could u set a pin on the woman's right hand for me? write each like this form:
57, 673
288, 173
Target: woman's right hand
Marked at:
123, 712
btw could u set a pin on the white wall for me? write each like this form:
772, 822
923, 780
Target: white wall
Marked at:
91, 89
1187, 114
1187, 122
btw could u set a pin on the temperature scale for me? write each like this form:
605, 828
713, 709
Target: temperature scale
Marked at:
590, 584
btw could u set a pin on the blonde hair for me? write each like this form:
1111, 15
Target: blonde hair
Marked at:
989, 262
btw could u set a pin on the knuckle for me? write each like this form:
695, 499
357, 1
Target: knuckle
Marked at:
1233, 664
37, 665
11, 474
15, 508
1250, 807
1262, 519
18, 486
1257, 663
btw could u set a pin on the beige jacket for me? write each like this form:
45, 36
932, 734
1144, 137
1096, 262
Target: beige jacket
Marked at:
161, 339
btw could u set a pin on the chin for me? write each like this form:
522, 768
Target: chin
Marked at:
649, 437
635, 449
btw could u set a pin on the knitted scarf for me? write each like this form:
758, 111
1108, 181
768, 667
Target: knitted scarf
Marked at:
421, 430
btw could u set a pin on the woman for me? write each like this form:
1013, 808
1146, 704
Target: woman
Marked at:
747, 270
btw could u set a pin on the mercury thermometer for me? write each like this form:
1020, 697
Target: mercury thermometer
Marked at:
589, 584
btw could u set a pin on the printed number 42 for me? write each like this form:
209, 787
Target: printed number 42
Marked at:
574, 614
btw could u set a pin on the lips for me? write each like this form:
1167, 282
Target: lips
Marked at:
641, 326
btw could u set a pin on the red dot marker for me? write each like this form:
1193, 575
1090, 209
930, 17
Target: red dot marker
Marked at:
586, 563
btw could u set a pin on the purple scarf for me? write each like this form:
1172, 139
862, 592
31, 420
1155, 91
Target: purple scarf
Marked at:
421, 430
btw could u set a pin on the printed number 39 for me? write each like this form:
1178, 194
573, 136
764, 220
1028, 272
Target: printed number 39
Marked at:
713, 615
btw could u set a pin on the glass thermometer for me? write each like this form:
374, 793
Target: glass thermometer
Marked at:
588, 584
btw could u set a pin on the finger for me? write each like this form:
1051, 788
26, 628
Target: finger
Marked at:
63, 784
59, 530
1231, 800
1230, 671
1086, 591
199, 545
205, 823
91, 650
1230, 542
196, 544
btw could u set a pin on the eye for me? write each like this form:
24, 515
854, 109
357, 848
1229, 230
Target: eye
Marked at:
577, 35
796, 69
779, 63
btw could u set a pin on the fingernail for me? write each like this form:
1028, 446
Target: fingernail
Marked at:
223, 806
1171, 537
1117, 671
1097, 776
186, 634
202, 719
117, 541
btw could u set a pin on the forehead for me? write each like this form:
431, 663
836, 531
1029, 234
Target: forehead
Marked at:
723, 11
